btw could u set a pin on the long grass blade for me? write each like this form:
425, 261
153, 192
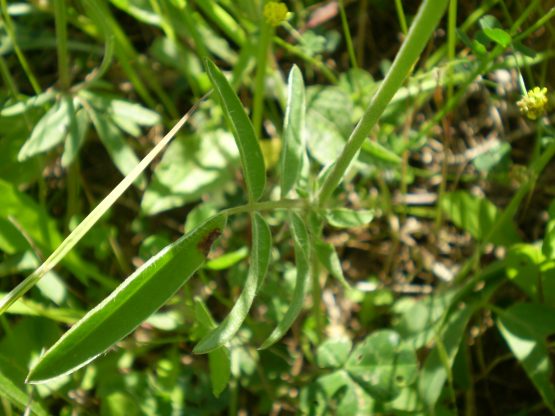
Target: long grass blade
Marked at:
77, 234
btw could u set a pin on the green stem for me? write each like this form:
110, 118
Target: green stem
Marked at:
348, 38
60, 15
267, 206
20, 56
420, 32
401, 15
451, 43
541, 21
266, 32
537, 167
316, 294
294, 50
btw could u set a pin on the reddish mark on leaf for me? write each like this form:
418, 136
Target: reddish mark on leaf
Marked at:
205, 244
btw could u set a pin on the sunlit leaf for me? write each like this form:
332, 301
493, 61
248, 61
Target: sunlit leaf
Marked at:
140, 295
525, 327
260, 257
50, 131
301, 244
294, 145
348, 218
328, 257
243, 131
382, 364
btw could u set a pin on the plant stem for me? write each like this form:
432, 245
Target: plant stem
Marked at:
509, 212
420, 32
401, 15
451, 43
348, 38
316, 294
267, 206
60, 15
294, 50
266, 31
22, 60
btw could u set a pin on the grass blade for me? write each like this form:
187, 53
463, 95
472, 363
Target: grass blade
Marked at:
261, 247
293, 125
17, 397
131, 303
84, 226
243, 131
301, 243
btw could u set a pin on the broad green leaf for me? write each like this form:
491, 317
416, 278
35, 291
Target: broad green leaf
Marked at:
477, 216
497, 35
126, 110
382, 364
419, 318
293, 146
243, 131
260, 257
219, 360
335, 394
193, 166
525, 327
140, 295
121, 153
18, 398
78, 126
330, 260
127, 115
328, 122
50, 131
333, 353
524, 268
348, 218
301, 245
23, 105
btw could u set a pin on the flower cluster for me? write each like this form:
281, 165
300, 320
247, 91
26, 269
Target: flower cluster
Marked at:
533, 104
275, 12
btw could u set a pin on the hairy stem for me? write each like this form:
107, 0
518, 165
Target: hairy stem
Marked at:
420, 32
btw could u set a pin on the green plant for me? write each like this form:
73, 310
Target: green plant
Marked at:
254, 173
379, 374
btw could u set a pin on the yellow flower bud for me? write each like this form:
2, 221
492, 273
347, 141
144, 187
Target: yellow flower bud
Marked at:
533, 104
275, 12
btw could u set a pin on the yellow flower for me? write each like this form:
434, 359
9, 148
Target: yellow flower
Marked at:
275, 12
533, 104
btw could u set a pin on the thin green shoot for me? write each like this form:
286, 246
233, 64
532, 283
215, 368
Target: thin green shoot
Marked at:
79, 232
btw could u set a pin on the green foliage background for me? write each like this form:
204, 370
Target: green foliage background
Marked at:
332, 265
